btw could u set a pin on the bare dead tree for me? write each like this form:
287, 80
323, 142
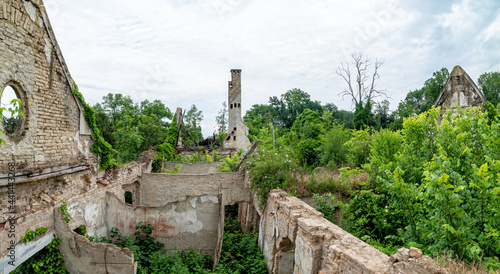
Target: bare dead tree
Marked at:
361, 86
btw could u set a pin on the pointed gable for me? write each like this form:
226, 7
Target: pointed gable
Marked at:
460, 91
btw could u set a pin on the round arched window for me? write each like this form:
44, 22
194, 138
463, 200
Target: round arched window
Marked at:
11, 108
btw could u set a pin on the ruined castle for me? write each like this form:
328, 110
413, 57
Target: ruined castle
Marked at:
48, 160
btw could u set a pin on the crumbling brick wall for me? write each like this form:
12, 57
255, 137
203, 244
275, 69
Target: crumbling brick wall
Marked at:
158, 189
51, 148
82, 256
188, 224
84, 193
54, 133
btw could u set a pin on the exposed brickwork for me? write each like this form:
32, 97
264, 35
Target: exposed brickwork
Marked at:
81, 190
31, 62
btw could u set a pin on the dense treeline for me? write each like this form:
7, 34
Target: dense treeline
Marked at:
430, 185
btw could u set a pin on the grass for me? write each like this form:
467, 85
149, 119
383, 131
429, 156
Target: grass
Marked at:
456, 266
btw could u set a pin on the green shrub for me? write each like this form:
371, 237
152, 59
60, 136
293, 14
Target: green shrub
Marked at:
359, 147
240, 251
271, 169
327, 204
441, 191
82, 230
333, 150
64, 210
230, 163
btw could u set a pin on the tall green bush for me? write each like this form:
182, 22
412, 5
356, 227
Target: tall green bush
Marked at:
333, 150
271, 169
167, 149
358, 147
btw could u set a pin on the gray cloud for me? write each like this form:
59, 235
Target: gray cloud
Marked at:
181, 51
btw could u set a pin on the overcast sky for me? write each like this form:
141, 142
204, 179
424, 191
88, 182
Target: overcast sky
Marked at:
181, 51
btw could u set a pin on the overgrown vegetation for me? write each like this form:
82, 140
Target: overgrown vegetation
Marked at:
64, 210
271, 169
419, 183
31, 235
101, 146
240, 251
229, 164
46, 261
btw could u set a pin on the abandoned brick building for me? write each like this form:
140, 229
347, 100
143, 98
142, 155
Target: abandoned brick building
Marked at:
50, 154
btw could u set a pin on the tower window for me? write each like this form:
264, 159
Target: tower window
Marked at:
234, 138
231, 106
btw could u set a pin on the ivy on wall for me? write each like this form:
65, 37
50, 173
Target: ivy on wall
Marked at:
101, 147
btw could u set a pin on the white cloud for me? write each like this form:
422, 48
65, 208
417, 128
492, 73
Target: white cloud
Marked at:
181, 51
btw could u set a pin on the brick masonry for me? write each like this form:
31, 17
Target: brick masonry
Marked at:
295, 238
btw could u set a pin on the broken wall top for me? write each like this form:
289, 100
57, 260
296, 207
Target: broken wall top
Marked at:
460, 90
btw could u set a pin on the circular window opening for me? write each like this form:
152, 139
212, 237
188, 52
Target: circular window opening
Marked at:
11, 110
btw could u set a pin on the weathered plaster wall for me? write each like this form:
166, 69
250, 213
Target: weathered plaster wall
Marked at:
189, 224
82, 256
158, 189
193, 168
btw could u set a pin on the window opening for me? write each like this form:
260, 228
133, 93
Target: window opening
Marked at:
10, 104
128, 197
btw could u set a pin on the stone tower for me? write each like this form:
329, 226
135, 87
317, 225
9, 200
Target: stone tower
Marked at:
237, 131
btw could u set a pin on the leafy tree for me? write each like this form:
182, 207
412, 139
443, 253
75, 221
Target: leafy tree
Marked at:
381, 115
105, 124
257, 117
433, 86
152, 130
118, 106
333, 150
305, 133
489, 83
128, 140
222, 119
191, 129
420, 100
157, 108
363, 116
332, 115
358, 147
290, 105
